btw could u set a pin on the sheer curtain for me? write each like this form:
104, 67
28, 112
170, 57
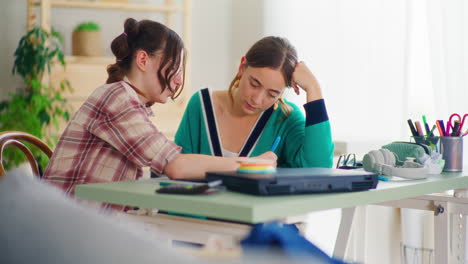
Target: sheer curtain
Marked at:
437, 59
448, 39
357, 50
379, 62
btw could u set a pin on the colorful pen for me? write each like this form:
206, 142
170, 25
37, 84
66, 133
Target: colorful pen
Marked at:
382, 178
426, 126
439, 128
275, 144
431, 133
441, 123
165, 183
447, 129
419, 128
455, 129
412, 128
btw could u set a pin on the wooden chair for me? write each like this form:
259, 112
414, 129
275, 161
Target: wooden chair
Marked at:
16, 138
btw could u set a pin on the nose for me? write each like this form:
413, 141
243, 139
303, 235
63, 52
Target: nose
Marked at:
257, 97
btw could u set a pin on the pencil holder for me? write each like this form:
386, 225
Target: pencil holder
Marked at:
432, 141
452, 152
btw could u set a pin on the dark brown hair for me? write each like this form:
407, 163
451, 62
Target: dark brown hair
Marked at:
275, 53
151, 37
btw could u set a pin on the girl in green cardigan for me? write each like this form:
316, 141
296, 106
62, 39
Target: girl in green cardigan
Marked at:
251, 115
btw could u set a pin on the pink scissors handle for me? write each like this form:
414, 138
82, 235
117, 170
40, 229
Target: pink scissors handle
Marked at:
461, 126
450, 123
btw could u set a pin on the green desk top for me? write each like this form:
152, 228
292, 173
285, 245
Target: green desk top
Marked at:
254, 209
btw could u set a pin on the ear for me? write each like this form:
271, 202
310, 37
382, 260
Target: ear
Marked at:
142, 60
242, 67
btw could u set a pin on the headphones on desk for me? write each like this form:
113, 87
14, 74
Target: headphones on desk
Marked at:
383, 162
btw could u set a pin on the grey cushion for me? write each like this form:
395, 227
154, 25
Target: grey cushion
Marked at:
39, 224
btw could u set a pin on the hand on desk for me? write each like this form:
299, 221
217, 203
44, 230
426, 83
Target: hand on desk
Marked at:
269, 155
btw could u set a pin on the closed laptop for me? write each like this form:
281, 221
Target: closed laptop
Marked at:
297, 181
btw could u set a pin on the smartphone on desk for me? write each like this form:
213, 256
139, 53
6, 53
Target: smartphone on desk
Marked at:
189, 188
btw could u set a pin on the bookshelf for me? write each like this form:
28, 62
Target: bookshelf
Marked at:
86, 73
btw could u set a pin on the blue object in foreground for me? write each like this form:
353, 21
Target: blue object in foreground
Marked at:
285, 240
275, 144
382, 178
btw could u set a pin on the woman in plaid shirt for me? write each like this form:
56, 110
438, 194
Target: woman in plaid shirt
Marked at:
110, 138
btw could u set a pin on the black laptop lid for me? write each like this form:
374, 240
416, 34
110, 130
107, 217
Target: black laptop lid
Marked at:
297, 180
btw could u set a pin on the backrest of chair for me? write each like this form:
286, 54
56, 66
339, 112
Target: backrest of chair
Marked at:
15, 138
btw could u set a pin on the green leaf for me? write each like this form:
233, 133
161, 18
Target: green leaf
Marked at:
36, 106
57, 36
67, 116
87, 26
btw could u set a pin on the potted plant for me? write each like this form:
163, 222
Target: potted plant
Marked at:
36, 106
86, 40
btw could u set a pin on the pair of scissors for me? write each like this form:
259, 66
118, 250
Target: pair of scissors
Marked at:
455, 124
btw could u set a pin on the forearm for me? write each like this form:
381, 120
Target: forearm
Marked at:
312, 145
314, 94
191, 166
318, 145
318, 140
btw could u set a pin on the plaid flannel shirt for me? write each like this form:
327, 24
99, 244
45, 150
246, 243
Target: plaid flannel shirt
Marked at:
110, 138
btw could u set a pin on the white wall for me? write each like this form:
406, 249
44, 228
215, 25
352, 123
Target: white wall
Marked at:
222, 31
248, 27
15, 13
211, 43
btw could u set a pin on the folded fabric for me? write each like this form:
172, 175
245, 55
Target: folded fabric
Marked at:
404, 150
286, 240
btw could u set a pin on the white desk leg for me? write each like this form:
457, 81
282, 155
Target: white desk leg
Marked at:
441, 234
359, 234
344, 232
459, 230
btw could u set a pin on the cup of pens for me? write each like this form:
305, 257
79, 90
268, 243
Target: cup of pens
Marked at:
450, 142
451, 149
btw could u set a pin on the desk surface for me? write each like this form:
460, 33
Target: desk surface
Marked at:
254, 209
